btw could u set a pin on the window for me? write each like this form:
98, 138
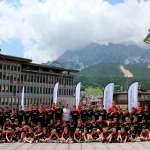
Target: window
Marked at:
0, 66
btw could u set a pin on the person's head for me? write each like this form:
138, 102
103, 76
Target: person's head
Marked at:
85, 130
122, 130
100, 118
51, 122
77, 130
74, 108
113, 103
23, 122
132, 128
58, 122
44, 131
145, 108
119, 132
143, 130
98, 131
79, 122
105, 130
114, 130
65, 130
115, 120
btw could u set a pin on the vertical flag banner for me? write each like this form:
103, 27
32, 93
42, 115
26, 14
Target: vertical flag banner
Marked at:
108, 96
22, 99
78, 87
132, 96
55, 93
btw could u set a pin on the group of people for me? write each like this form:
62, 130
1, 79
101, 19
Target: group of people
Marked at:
88, 123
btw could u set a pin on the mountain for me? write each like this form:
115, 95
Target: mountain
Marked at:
102, 64
112, 53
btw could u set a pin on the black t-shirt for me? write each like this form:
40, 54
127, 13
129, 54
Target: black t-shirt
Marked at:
1, 118
83, 115
74, 115
50, 115
54, 137
139, 116
6, 115
21, 115
78, 136
34, 116
89, 126
96, 114
65, 136
58, 113
95, 136
114, 137
146, 115
89, 114
59, 128
27, 115
103, 114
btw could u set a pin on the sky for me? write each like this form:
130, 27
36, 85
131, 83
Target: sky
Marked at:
43, 30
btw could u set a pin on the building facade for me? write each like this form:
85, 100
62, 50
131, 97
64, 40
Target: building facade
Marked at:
121, 99
38, 81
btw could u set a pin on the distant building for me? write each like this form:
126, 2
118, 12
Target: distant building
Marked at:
121, 99
38, 81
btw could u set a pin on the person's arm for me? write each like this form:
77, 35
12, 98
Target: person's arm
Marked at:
76, 139
8, 140
101, 137
125, 140
56, 135
119, 139
62, 137
109, 138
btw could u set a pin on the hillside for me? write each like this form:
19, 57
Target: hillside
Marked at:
111, 53
103, 73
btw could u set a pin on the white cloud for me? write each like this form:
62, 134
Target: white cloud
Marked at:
47, 28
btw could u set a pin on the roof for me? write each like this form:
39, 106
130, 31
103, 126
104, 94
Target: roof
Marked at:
139, 92
147, 39
54, 67
29, 62
14, 58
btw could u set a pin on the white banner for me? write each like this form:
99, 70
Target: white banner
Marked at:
22, 99
132, 96
78, 87
108, 96
55, 93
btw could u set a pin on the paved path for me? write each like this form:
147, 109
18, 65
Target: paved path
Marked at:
84, 146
